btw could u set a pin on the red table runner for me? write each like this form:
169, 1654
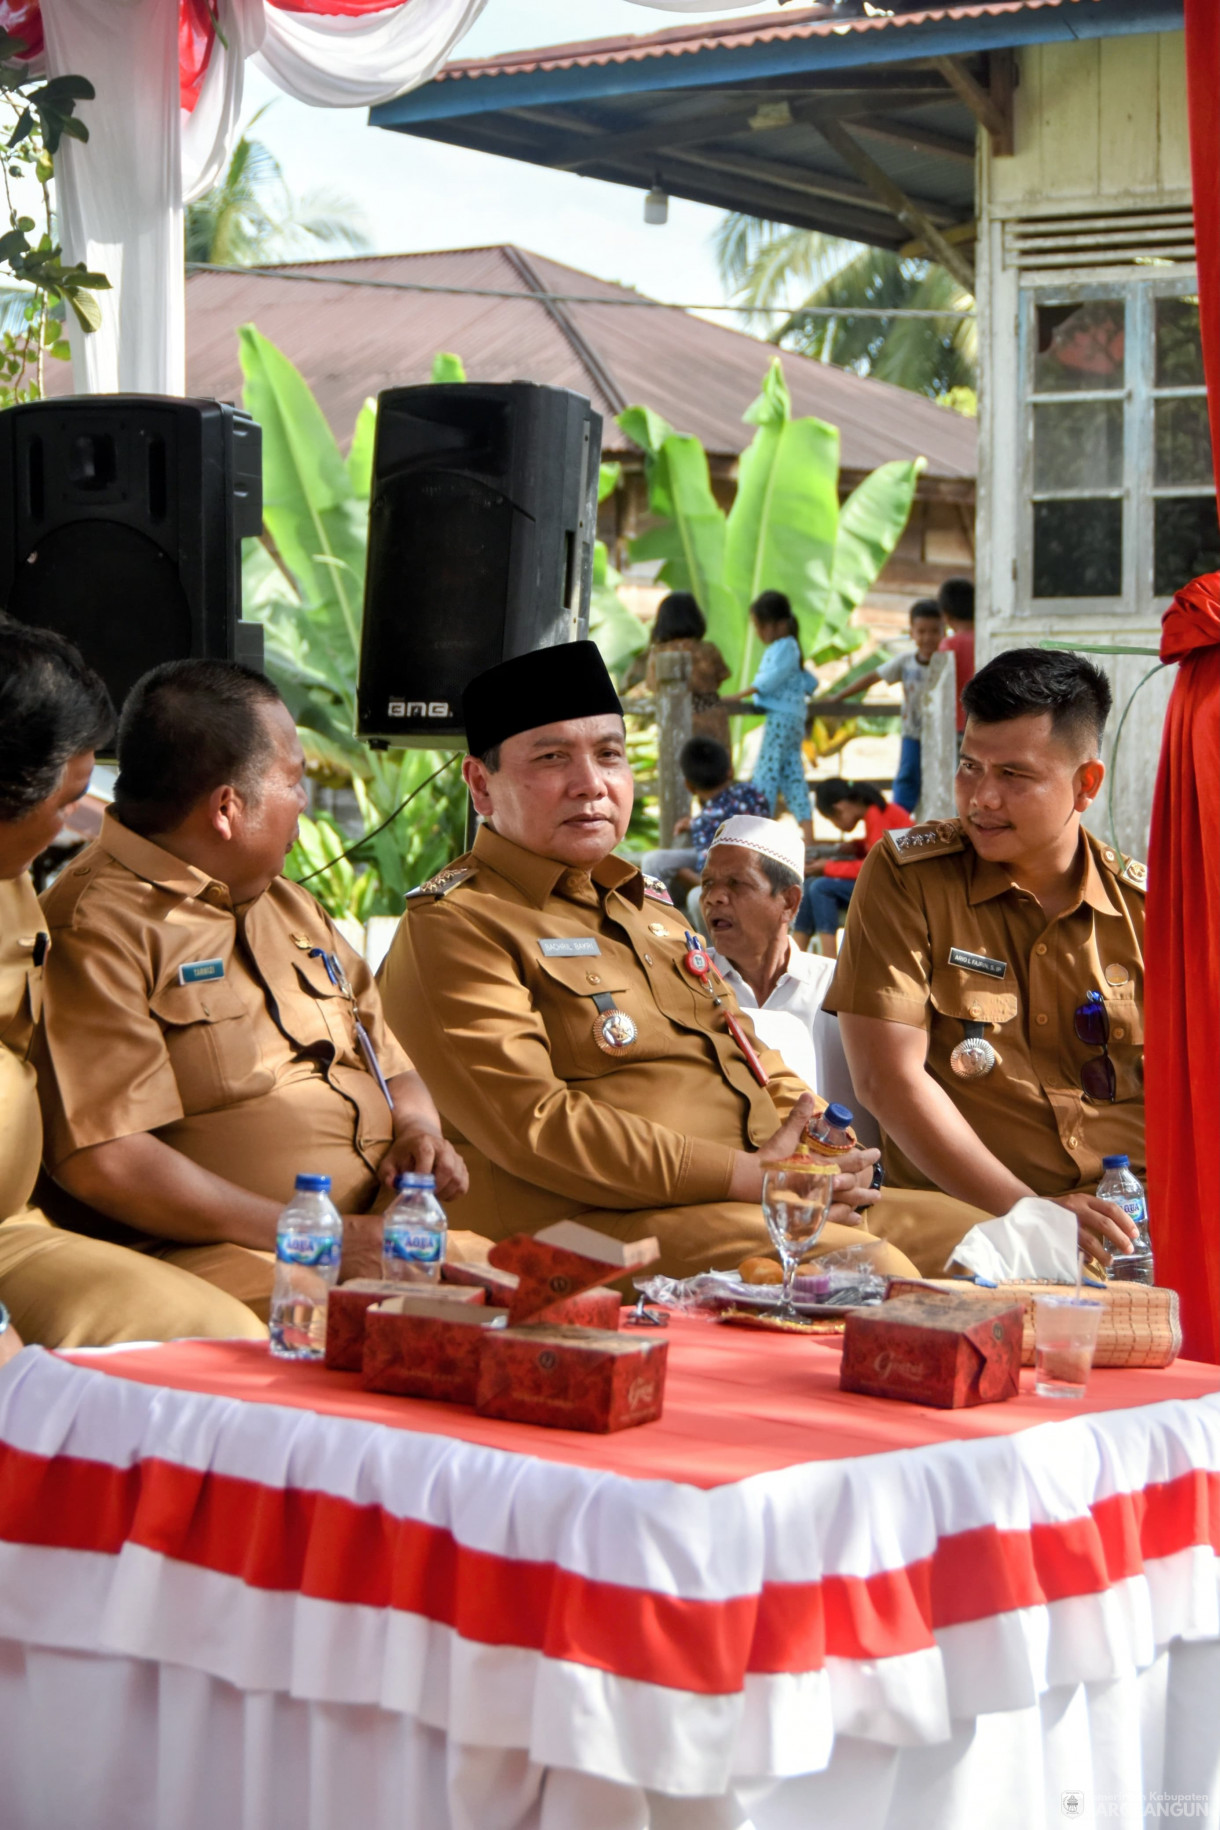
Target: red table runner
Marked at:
737, 1403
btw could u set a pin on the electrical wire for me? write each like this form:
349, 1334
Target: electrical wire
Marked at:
389, 819
570, 298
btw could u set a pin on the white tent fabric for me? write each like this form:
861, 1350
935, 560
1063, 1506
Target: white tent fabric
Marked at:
121, 197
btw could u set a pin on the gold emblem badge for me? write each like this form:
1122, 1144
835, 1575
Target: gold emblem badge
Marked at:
614, 1031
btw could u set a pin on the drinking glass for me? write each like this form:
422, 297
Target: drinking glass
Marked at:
1065, 1335
795, 1201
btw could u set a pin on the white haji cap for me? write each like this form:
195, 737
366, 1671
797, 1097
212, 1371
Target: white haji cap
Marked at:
773, 838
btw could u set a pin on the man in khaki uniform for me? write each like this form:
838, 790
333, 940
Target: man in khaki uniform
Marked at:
580, 1064
206, 1031
59, 1289
971, 943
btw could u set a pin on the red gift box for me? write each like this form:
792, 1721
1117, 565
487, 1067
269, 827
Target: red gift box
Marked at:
595, 1308
932, 1347
561, 1262
348, 1303
422, 1348
571, 1378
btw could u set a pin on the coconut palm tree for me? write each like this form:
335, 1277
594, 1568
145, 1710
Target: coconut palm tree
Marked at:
768, 263
251, 217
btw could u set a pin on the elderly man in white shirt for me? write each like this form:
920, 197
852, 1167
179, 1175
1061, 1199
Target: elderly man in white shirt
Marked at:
751, 889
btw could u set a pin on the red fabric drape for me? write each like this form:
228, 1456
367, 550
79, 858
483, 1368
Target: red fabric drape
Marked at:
1182, 1050
1203, 97
23, 19
1182, 1028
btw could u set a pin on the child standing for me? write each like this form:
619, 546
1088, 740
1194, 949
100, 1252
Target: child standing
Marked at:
781, 687
927, 628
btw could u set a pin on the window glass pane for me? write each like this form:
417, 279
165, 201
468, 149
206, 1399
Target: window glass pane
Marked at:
1186, 541
1179, 353
1078, 549
1183, 442
1078, 444
1079, 346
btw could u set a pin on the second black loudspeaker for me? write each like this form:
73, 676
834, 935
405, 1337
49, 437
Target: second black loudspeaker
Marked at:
481, 531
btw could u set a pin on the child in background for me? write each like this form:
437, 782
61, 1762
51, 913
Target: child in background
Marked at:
780, 689
927, 628
829, 882
680, 626
956, 600
707, 770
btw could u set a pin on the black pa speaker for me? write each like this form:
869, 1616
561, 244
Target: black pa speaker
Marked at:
121, 521
481, 531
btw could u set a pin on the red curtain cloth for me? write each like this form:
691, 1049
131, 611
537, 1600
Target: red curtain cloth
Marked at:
1182, 1027
1182, 1032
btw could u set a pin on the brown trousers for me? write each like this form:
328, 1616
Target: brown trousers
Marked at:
65, 1290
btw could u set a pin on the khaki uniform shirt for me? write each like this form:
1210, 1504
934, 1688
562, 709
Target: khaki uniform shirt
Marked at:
924, 898
22, 946
254, 1074
491, 982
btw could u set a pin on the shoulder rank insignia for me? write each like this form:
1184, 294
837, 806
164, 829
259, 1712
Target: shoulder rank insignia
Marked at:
442, 883
1134, 873
656, 889
936, 839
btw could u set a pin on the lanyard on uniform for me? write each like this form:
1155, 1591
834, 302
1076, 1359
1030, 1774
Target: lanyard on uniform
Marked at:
341, 982
699, 966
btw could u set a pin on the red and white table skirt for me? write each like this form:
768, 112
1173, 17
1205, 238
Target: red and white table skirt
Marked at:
234, 1593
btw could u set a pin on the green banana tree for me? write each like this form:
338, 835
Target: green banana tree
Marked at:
786, 530
305, 583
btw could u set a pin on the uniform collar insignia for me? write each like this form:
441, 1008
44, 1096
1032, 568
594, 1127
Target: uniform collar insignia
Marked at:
536, 876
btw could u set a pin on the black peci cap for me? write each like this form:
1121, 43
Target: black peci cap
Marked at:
547, 686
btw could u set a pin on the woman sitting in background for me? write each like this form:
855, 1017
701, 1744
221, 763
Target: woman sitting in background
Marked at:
680, 627
829, 882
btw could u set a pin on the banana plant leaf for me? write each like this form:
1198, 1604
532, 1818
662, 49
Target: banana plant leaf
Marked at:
783, 522
310, 508
360, 453
870, 526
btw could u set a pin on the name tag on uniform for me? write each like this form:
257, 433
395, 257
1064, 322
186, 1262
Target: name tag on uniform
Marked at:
198, 971
578, 948
978, 962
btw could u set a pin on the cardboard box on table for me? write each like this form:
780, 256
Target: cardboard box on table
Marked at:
518, 1361
349, 1303
933, 1347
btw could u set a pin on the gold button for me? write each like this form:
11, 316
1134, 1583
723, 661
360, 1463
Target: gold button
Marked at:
1109, 857
648, 959
1041, 947
594, 978
658, 928
1117, 974
1118, 1032
1041, 1017
82, 870
1072, 1143
976, 1010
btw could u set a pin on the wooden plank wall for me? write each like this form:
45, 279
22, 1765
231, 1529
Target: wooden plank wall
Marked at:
1103, 120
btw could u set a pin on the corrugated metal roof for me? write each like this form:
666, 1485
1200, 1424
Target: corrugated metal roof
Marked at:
350, 343
700, 376
730, 35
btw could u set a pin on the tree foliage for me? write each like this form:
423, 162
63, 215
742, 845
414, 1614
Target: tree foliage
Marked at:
767, 264
44, 288
251, 217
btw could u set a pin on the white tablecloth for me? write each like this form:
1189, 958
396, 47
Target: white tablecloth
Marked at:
246, 1616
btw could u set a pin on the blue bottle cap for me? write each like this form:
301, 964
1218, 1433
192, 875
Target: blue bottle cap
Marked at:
837, 1115
314, 1184
410, 1181
1116, 1162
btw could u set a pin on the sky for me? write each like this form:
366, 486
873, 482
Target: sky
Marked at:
417, 194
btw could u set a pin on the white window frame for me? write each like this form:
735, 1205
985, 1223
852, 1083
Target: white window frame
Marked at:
1139, 289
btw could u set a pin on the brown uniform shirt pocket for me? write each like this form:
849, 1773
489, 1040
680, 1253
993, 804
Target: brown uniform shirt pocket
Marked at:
211, 1044
955, 995
1126, 1046
564, 996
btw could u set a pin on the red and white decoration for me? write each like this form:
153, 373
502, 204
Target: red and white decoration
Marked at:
169, 81
236, 1594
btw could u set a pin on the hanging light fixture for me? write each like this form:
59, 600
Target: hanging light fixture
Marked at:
656, 203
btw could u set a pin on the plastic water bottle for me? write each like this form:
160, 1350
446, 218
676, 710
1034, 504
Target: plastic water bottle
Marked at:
413, 1233
829, 1129
1120, 1186
308, 1246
